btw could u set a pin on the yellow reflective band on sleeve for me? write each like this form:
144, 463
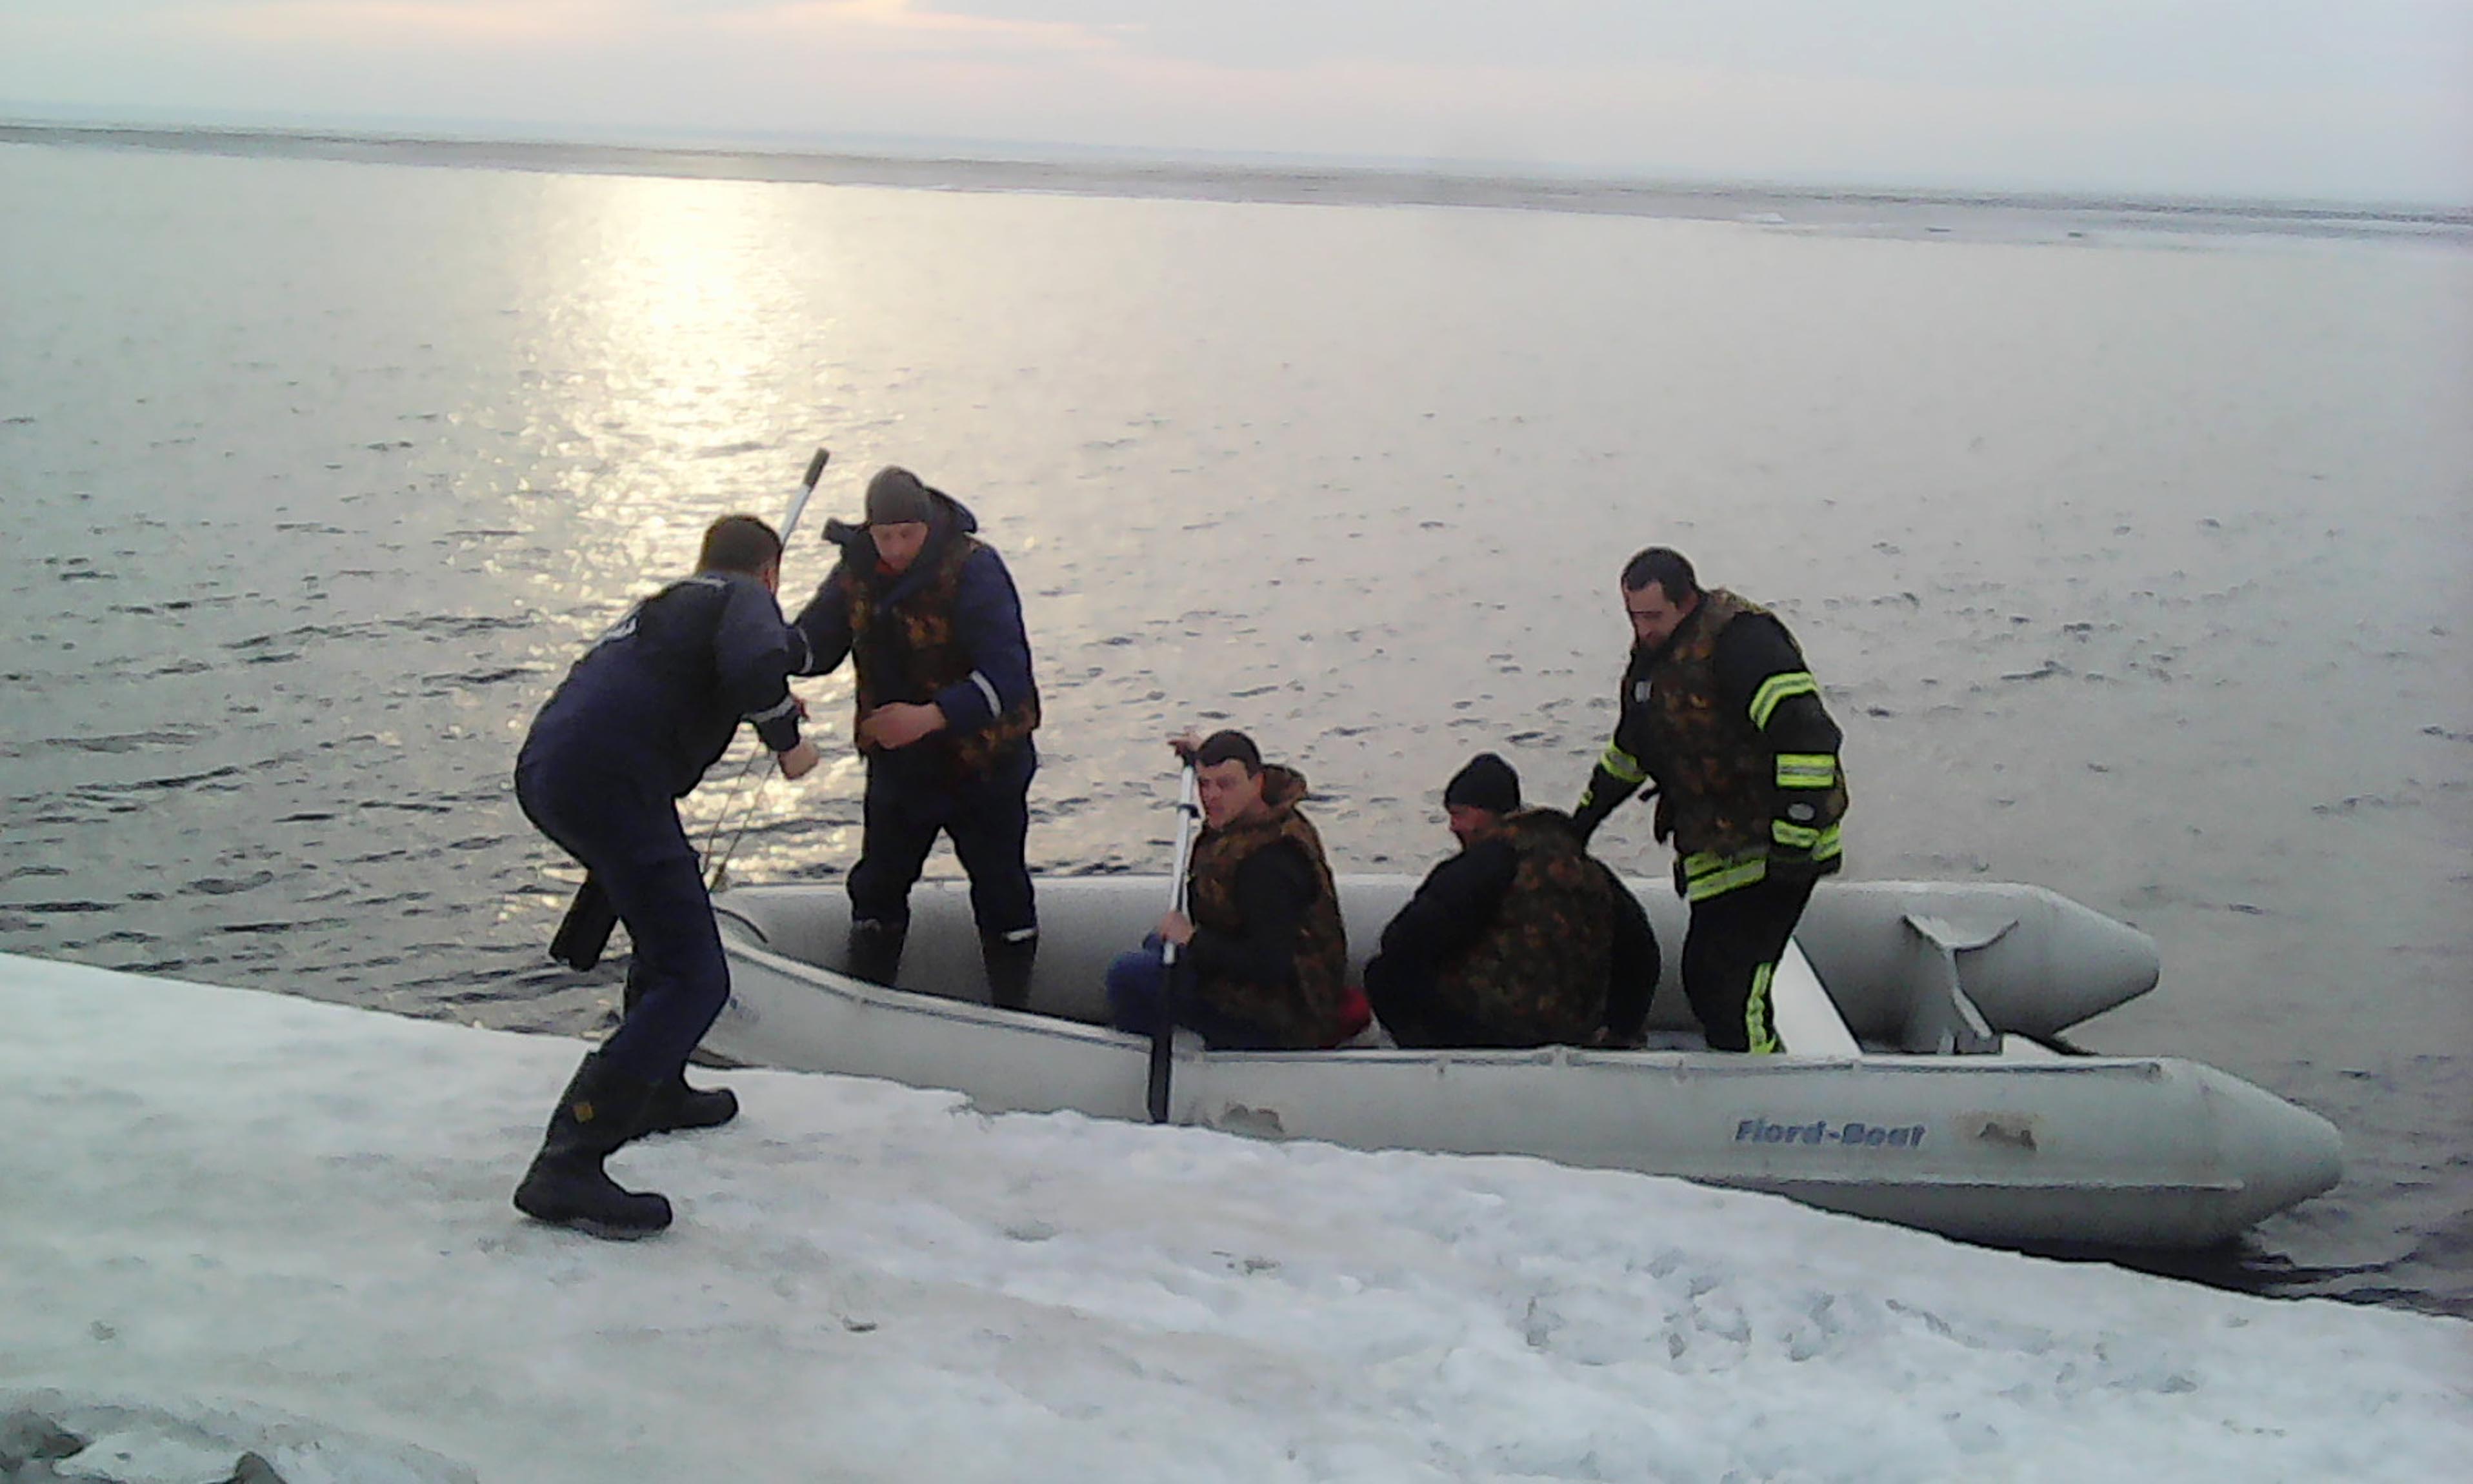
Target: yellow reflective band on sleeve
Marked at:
1776, 688
1822, 844
1756, 1013
1806, 770
1622, 765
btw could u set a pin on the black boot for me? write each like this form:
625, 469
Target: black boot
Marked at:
1009, 962
874, 951
675, 1105
566, 1185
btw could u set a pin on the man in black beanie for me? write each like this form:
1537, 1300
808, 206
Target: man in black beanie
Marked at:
1520, 940
929, 618
1487, 785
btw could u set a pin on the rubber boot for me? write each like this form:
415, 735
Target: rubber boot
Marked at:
675, 1105
1009, 962
874, 951
566, 1185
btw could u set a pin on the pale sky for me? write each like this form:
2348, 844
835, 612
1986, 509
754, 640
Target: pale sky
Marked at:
2323, 99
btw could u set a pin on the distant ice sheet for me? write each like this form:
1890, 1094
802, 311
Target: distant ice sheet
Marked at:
222, 1203
1856, 210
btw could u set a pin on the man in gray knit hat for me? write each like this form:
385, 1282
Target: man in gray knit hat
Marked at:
929, 618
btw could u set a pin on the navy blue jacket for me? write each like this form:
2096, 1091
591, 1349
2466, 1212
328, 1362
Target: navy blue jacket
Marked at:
987, 622
659, 695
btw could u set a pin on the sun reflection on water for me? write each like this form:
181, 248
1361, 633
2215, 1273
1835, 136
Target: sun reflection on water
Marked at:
672, 355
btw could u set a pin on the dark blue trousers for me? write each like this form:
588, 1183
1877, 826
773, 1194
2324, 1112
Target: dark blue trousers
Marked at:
626, 831
1137, 994
987, 819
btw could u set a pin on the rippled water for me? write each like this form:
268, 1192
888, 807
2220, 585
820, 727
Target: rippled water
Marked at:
2132, 561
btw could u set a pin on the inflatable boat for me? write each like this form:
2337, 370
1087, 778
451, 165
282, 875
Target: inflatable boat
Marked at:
1917, 1086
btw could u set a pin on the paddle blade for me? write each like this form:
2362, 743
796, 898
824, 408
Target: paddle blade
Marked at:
806, 492
1163, 1058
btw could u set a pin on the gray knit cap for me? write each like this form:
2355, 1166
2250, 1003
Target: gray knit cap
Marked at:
895, 494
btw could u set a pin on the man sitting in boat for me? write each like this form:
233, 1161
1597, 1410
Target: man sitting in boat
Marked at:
1520, 940
1262, 965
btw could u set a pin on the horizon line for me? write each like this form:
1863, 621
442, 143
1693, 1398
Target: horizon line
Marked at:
1126, 165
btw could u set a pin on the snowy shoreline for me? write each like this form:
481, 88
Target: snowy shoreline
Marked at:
230, 1203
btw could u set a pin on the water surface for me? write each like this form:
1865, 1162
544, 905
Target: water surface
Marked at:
2132, 560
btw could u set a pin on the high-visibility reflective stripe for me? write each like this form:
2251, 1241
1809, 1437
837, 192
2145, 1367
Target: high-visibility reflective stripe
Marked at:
1706, 875
1806, 770
1776, 688
1822, 843
1622, 765
1756, 1013
1794, 837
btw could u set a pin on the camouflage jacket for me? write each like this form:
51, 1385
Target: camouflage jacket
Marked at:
1537, 973
1301, 1011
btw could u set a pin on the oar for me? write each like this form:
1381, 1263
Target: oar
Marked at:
1189, 810
585, 931
806, 492
760, 758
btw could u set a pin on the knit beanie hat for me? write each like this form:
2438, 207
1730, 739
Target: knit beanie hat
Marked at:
893, 495
1487, 782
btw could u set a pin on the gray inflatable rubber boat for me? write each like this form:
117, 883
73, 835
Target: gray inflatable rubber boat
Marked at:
1914, 1087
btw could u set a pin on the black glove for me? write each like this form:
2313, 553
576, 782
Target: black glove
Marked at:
1605, 794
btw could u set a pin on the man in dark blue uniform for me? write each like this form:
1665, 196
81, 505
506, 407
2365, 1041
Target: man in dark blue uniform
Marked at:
628, 733
928, 616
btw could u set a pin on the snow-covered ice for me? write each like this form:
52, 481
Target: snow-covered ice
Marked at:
283, 1226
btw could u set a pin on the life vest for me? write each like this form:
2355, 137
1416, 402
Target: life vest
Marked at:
910, 654
1304, 1013
1538, 974
1716, 771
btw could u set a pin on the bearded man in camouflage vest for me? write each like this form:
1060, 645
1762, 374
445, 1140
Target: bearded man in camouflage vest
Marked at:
928, 616
1520, 940
1721, 712
1267, 953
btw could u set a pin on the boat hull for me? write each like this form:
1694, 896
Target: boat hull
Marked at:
2017, 1146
